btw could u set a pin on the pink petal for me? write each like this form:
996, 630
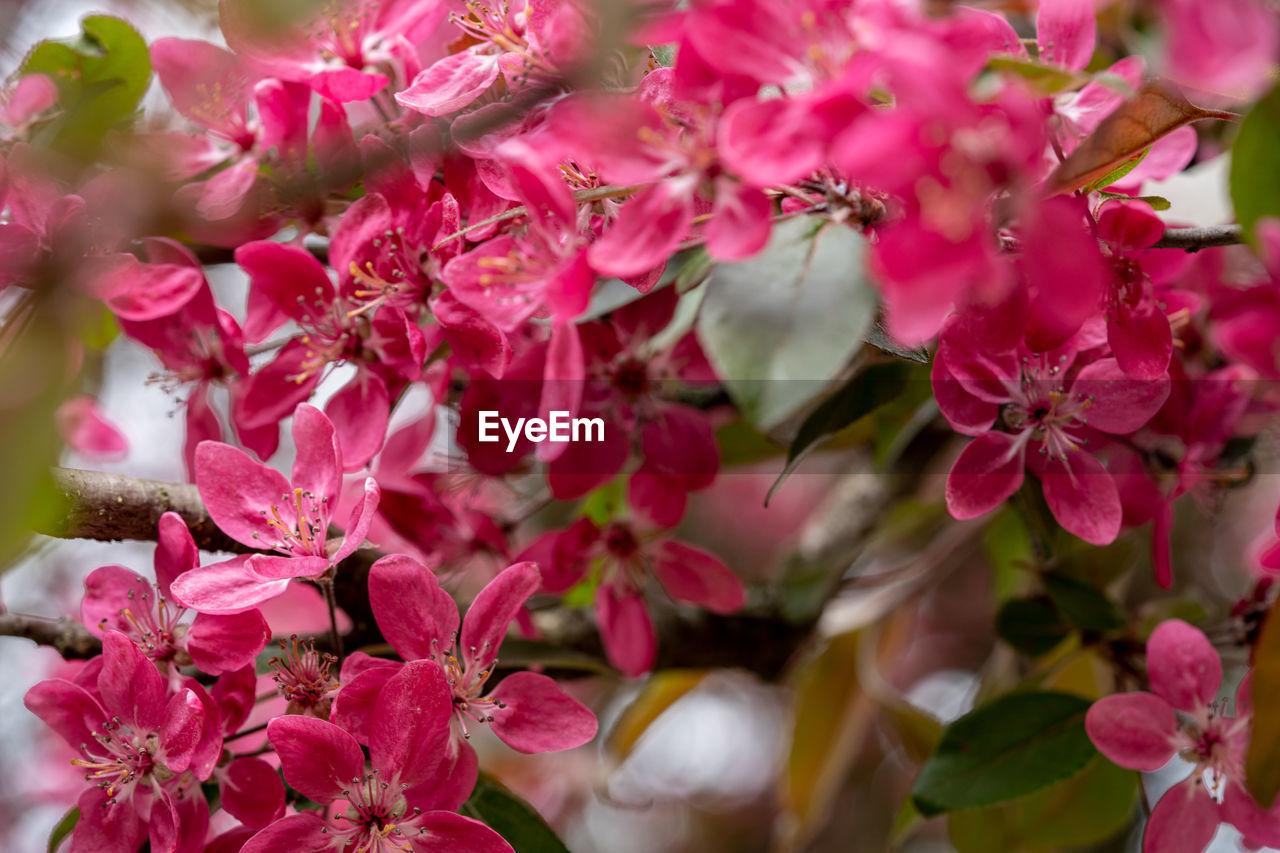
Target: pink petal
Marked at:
1066, 32
445, 831
223, 195
1184, 821
1083, 497
180, 734
33, 94
477, 342
83, 427
696, 576
130, 685
1142, 341
626, 630
586, 465
206, 83
252, 792
538, 716
298, 833
647, 230
317, 468
176, 551
1120, 404
1182, 666
1129, 225
411, 724
108, 592
347, 84
225, 588
290, 277
359, 520
319, 759
1134, 730
355, 704
740, 222
273, 392
416, 616
359, 413
139, 292
236, 491
68, 709
493, 611
967, 414
681, 443
1062, 262
985, 474
99, 822
1258, 825
449, 788
450, 84
219, 644
660, 498
269, 567
563, 377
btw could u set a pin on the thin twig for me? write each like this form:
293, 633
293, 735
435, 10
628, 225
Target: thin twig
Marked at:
1195, 239
72, 640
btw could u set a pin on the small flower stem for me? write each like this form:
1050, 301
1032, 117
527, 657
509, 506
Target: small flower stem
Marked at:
326, 586
252, 730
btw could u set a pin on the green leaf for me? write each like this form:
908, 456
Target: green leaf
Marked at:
511, 817
780, 326
1156, 202
1032, 626
1083, 604
1262, 761
63, 829
1086, 809
870, 389
879, 338
1124, 168
1044, 79
101, 77
1010, 551
696, 269
1255, 164
1007, 748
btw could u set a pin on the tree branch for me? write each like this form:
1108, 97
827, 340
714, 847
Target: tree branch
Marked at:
1195, 239
113, 507
72, 640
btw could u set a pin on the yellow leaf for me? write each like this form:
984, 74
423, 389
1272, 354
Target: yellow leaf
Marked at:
661, 691
1262, 762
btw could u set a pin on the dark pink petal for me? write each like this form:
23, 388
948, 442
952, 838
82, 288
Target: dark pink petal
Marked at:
681, 443
1142, 341
586, 465
317, 468
347, 84
538, 716
225, 588
175, 552
290, 277
477, 342
319, 759
130, 685
696, 576
1062, 262
355, 704
252, 792
769, 142
299, 833
491, 614
986, 473
1066, 32
626, 630
966, 413
660, 498
86, 430
358, 522
192, 815
411, 723
237, 490
564, 374
1129, 225
1083, 497
140, 292
1258, 825
454, 781
103, 829
1182, 666
180, 734
108, 592
1134, 730
19, 251
539, 188
562, 555
163, 822
1184, 821
272, 393
219, 644
359, 413
445, 831
647, 230
224, 195
269, 567
416, 616
740, 221
1119, 404
68, 709
450, 84
209, 748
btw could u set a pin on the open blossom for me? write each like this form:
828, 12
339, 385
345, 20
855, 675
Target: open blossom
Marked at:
117, 599
528, 711
385, 810
142, 749
1180, 716
255, 505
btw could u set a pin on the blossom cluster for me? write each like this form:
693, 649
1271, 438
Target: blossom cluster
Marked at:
447, 196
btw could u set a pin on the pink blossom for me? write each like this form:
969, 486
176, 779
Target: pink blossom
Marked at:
255, 505
1180, 716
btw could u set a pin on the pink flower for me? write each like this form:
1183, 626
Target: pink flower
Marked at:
385, 809
1180, 716
528, 711
117, 599
255, 505
618, 559
144, 750
1044, 399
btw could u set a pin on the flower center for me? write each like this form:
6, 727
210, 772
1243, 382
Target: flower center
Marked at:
153, 626
117, 759
466, 681
304, 534
303, 677
376, 818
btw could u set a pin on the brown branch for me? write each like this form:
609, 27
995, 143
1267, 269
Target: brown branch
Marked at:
112, 507
1195, 239
72, 640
